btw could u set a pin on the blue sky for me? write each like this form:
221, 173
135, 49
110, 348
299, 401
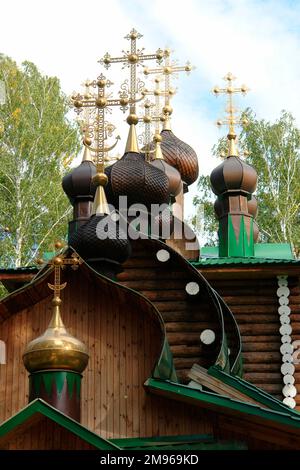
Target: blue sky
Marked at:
257, 40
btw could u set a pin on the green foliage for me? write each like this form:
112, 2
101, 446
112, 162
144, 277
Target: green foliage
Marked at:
275, 154
37, 139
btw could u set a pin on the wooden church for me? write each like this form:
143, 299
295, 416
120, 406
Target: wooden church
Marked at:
129, 340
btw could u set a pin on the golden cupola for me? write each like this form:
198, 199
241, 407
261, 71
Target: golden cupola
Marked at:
56, 348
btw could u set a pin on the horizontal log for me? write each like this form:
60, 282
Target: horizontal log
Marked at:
155, 273
247, 329
265, 346
256, 309
246, 339
241, 282
189, 316
146, 284
240, 299
184, 338
182, 307
192, 327
270, 388
255, 319
258, 289
187, 362
262, 357
260, 367
182, 375
186, 351
263, 377
164, 295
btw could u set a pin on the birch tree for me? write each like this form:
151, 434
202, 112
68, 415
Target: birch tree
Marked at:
35, 143
274, 151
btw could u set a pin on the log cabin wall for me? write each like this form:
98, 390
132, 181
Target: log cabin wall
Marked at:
124, 342
254, 303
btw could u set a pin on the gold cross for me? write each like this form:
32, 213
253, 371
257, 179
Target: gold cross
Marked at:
59, 261
132, 59
230, 90
98, 103
168, 68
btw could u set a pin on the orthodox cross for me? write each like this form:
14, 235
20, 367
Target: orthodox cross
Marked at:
59, 261
150, 117
132, 59
97, 103
232, 119
168, 69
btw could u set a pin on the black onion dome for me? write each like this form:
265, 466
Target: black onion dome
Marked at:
233, 175
95, 240
172, 174
181, 156
140, 181
78, 183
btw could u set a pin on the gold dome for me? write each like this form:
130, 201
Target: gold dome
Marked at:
56, 348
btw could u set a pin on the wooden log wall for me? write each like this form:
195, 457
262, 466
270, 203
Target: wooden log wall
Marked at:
255, 306
185, 318
124, 342
294, 298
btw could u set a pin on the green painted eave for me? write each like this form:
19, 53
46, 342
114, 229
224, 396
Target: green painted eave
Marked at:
39, 406
288, 417
264, 253
193, 442
251, 391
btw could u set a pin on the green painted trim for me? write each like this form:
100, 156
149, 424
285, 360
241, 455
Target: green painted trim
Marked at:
251, 391
164, 368
176, 390
229, 245
41, 407
194, 442
58, 378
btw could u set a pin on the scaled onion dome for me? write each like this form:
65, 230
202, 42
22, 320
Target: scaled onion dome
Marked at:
56, 348
78, 184
135, 178
177, 153
101, 238
173, 175
233, 175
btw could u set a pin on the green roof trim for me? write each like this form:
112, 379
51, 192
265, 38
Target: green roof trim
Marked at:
251, 391
41, 407
264, 253
287, 417
193, 442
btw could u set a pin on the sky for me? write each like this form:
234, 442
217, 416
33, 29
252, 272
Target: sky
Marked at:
257, 40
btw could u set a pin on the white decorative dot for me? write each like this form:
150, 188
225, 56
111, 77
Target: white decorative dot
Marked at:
283, 283
288, 379
163, 255
283, 300
289, 391
285, 330
289, 401
287, 358
282, 277
286, 339
284, 310
287, 368
285, 320
207, 336
283, 291
192, 288
286, 348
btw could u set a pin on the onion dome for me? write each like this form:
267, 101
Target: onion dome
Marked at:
56, 348
233, 175
173, 175
252, 206
179, 155
78, 183
101, 238
135, 178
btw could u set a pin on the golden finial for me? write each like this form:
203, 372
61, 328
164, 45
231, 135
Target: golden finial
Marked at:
168, 69
231, 120
56, 348
132, 59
